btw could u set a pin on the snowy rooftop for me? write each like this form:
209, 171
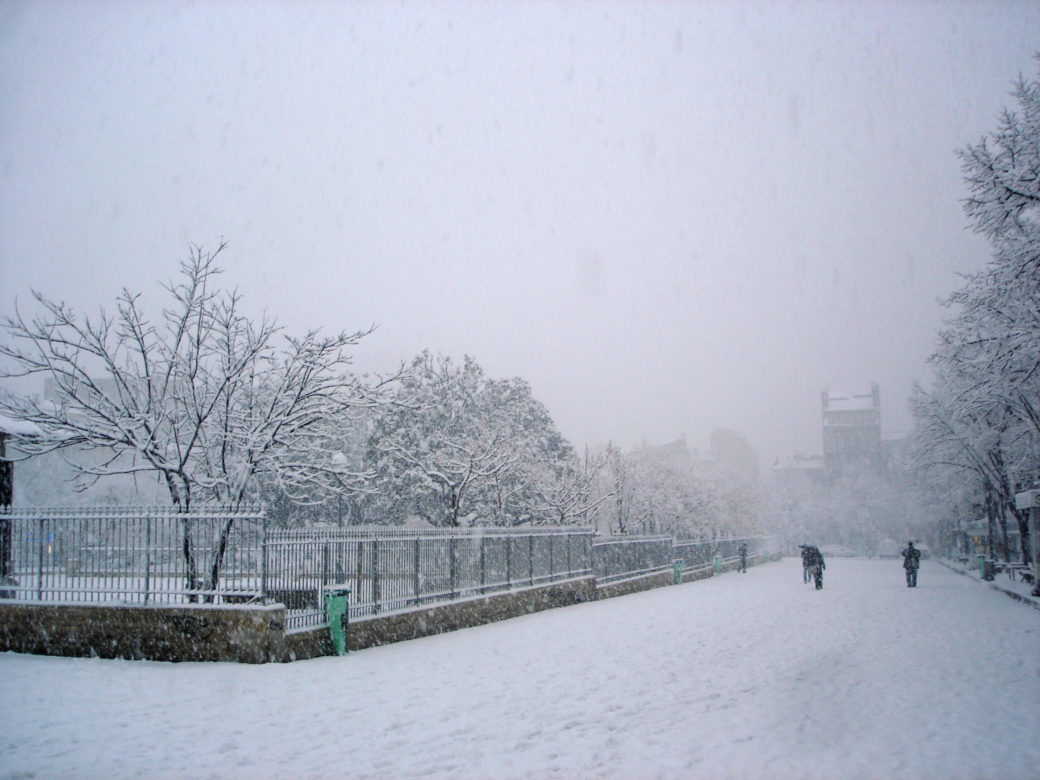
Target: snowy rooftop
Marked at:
849, 402
808, 462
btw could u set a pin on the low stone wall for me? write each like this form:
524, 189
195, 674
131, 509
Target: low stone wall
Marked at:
253, 634
256, 633
609, 590
398, 627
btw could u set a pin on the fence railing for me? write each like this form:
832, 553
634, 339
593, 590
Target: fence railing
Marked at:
130, 554
135, 555
620, 557
388, 568
699, 555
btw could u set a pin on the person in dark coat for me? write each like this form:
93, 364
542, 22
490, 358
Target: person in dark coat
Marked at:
816, 566
743, 557
805, 561
911, 562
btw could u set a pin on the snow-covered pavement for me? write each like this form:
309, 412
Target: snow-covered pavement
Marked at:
754, 676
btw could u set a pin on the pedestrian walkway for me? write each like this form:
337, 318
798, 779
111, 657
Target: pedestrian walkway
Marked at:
751, 675
1016, 588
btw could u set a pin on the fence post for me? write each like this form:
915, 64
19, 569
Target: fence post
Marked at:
375, 575
417, 563
453, 573
509, 561
263, 558
39, 572
483, 557
147, 553
359, 570
530, 557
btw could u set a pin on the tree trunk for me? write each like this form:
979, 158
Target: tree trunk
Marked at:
1002, 522
1022, 518
6, 497
6, 474
454, 502
218, 558
180, 495
191, 574
990, 535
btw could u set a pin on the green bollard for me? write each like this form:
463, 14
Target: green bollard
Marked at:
718, 564
338, 614
982, 565
677, 568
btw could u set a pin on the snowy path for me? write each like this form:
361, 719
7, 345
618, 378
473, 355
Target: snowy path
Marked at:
751, 675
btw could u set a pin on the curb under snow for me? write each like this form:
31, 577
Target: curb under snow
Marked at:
1029, 600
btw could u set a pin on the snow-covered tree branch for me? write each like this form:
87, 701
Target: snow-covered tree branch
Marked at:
206, 397
983, 415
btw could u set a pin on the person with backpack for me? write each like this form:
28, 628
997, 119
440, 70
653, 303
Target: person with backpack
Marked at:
805, 548
911, 562
816, 566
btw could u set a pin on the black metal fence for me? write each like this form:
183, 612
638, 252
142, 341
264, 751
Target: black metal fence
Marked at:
155, 555
391, 568
137, 555
620, 557
698, 556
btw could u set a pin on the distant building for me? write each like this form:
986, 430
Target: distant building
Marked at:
798, 471
675, 454
851, 429
731, 452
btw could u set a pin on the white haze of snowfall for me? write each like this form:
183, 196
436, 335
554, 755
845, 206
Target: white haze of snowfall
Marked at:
752, 675
667, 217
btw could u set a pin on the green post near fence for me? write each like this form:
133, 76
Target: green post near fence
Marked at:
677, 568
718, 564
339, 615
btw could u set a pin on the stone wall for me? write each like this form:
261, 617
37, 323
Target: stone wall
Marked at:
374, 631
247, 634
659, 579
398, 627
256, 633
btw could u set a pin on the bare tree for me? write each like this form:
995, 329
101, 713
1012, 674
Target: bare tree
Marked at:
456, 445
205, 397
620, 486
957, 434
569, 494
983, 415
665, 490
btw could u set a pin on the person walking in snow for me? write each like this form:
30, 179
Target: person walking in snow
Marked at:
816, 566
743, 558
805, 561
911, 562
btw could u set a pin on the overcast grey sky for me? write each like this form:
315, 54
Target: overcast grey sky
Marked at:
667, 217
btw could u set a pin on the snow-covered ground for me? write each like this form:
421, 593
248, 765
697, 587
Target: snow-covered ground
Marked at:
1002, 581
754, 675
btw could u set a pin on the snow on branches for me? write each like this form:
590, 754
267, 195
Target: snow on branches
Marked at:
456, 447
204, 396
983, 415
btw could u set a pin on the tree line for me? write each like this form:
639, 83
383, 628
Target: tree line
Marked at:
218, 407
976, 438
